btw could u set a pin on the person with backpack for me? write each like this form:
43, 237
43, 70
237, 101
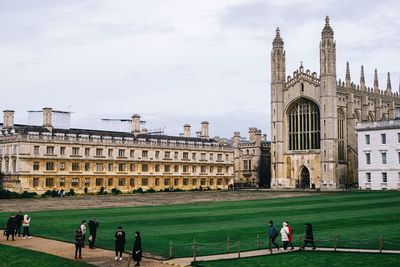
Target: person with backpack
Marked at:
272, 235
119, 243
26, 222
309, 238
78, 243
10, 229
83, 230
137, 249
18, 222
290, 235
285, 236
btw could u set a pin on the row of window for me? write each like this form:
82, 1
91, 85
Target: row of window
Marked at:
383, 177
132, 182
50, 150
383, 158
383, 139
122, 167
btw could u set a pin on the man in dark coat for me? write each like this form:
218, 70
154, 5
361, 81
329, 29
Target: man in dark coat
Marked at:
137, 249
18, 222
93, 224
119, 243
11, 227
309, 238
272, 234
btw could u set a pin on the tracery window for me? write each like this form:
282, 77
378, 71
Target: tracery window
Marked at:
304, 125
341, 129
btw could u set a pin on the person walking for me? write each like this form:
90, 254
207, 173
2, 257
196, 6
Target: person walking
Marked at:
93, 224
309, 238
26, 222
137, 249
272, 235
83, 230
285, 236
119, 243
290, 235
78, 243
10, 229
18, 223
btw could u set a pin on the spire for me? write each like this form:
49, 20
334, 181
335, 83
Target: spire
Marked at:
348, 78
362, 79
327, 31
389, 84
278, 42
376, 84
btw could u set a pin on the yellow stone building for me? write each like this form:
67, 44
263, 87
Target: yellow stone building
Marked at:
40, 158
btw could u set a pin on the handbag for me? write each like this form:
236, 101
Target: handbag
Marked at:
5, 232
90, 238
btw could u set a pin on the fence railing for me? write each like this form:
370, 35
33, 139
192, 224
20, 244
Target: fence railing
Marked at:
230, 245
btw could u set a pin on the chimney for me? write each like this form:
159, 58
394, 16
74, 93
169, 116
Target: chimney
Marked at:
47, 120
257, 137
135, 124
8, 119
204, 129
236, 139
252, 132
186, 130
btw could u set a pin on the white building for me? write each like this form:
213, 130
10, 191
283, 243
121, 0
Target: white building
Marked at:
379, 155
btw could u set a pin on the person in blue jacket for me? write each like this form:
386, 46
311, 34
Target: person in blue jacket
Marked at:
272, 234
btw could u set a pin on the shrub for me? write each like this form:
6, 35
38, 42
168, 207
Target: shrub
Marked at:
115, 191
70, 193
48, 193
85, 190
138, 191
151, 190
101, 191
6, 194
177, 190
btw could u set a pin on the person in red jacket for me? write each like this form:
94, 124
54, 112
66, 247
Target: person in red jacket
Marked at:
290, 235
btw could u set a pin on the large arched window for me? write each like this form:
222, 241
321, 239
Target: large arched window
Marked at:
304, 125
341, 132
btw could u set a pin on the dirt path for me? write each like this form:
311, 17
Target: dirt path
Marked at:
131, 200
98, 257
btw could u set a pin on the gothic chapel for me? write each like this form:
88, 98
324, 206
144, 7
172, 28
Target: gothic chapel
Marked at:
314, 143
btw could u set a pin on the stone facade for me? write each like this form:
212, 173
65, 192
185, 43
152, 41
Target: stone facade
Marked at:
379, 155
40, 158
252, 160
314, 143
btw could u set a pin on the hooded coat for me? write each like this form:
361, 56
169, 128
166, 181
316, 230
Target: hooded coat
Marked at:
284, 232
120, 240
137, 248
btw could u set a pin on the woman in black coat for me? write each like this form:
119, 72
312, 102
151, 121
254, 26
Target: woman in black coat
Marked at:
309, 238
137, 249
119, 243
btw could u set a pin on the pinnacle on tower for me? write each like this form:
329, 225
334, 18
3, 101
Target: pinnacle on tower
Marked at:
376, 83
362, 79
327, 31
348, 78
389, 84
278, 42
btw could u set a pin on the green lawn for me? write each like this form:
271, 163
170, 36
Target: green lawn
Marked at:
17, 257
309, 259
355, 216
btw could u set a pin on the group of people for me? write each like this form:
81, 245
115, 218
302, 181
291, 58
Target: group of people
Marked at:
15, 224
286, 233
120, 241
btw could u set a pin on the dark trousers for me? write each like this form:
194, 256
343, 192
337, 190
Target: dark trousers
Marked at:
285, 245
309, 241
26, 231
290, 244
18, 230
10, 232
272, 242
83, 240
117, 250
78, 249
91, 243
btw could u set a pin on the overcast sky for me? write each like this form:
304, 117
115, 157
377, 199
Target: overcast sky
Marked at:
177, 62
